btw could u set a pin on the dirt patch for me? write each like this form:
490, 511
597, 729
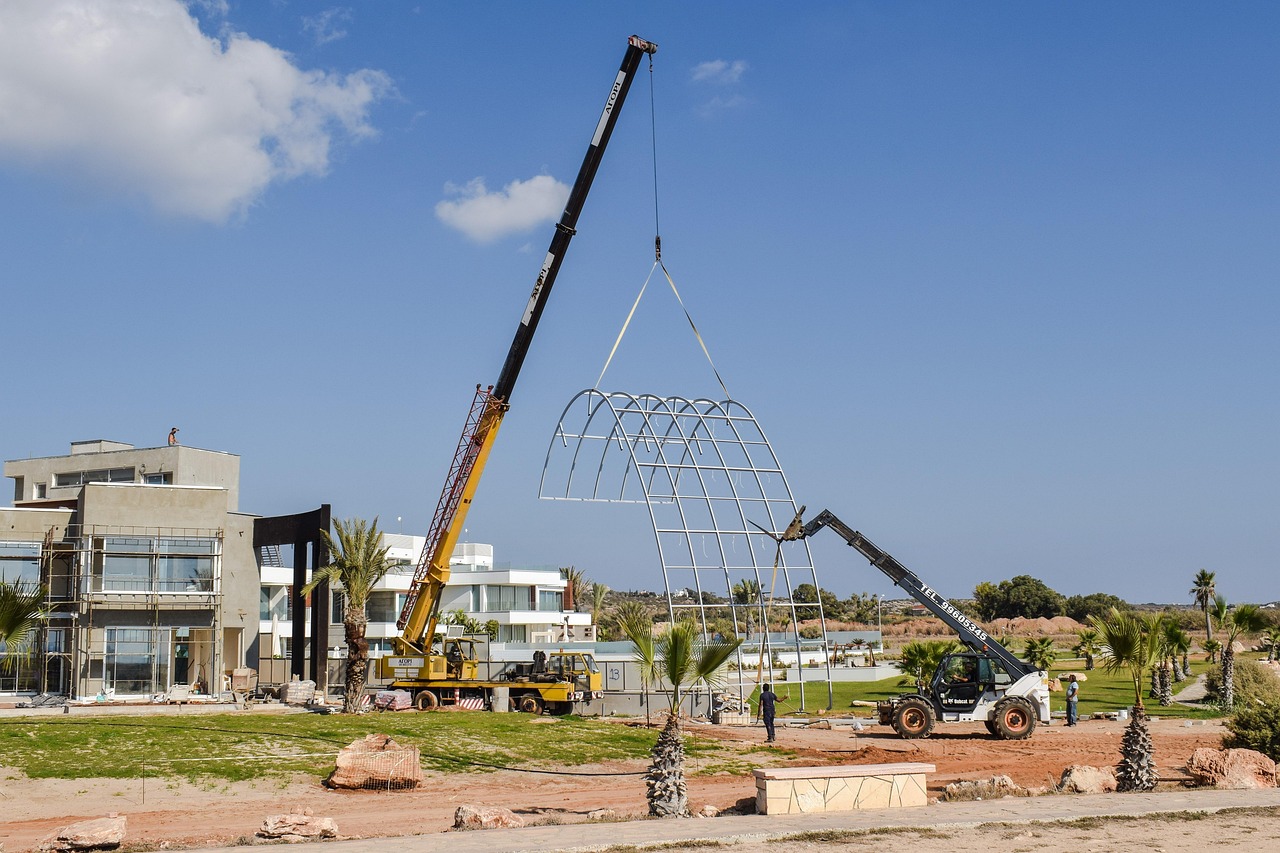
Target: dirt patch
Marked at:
179, 813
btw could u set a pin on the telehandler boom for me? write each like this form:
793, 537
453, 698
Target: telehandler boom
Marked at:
988, 683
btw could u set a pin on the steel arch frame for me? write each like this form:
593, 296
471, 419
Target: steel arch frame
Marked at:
706, 472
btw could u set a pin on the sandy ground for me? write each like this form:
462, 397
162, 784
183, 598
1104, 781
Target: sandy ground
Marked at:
173, 813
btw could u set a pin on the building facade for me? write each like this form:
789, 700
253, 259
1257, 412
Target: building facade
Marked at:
147, 564
526, 603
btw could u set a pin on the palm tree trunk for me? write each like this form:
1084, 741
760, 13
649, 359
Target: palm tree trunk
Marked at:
1137, 769
1208, 624
667, 794
1228, 677
357, 661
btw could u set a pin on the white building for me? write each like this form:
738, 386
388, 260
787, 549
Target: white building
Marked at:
527, 603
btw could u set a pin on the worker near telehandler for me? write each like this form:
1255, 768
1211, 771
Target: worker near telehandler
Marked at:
768, 709
1073, 700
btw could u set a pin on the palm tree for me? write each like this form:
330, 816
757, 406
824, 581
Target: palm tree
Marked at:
1245, 619
1086, 647
1271, 638
1131, 642
1219, 609
21, 612
1040, 653
576, 588
357, 561
1203, 591
1177, 643
598, 592
682, 659
920, 659
1211, 648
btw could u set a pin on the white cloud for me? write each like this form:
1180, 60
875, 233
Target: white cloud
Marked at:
131, 95
486, 216
324, 27
719, 71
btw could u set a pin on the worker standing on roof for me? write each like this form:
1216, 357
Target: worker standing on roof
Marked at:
768, 700
173, 437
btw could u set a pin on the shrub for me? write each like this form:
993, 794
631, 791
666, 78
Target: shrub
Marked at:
811, 632
1254, 683
1256, 727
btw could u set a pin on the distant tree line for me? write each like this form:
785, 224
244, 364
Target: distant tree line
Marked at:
1031, 598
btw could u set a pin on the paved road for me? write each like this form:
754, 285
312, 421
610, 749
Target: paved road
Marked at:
641, 833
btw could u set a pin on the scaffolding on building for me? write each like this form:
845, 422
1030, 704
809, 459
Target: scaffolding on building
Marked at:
714, 489
82, 606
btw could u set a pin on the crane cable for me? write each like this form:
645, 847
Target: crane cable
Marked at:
657, 262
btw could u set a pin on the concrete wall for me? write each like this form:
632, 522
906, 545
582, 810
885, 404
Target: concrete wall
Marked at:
189, 466
131, 505
31, 524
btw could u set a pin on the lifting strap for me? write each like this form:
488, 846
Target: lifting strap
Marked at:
658, 264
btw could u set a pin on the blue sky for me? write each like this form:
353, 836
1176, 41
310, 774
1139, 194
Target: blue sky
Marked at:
998, 280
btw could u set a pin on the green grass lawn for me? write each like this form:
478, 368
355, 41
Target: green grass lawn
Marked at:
1103, 692
235, 747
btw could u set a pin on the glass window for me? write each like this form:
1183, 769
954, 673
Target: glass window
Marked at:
550, 599
184, 565
123, 564
19, 668
20, 562
384, 606
273, 601
499, 598
512, 634
103, 475
162, 479
338, 606
41, 491
136, 660
144, 564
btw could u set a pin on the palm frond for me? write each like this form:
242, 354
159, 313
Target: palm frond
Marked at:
22, 609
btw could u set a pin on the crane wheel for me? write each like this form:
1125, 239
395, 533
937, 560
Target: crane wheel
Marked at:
426, 700
530, 704
913, 718
1015, 719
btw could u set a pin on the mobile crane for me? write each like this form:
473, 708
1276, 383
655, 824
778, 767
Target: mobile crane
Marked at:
987, 683
453, 672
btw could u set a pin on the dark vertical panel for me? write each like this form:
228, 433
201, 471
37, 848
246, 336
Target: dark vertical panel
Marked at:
320, 606
298, 654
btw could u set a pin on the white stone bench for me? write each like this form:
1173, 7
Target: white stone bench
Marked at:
847, 787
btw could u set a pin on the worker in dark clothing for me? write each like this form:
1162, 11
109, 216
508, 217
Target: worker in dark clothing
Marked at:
768, 700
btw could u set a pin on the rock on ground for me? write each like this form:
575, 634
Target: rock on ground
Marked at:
376, 762
1232, 768
984, 789
297, 826
486, 817
1085, 779
104, 833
